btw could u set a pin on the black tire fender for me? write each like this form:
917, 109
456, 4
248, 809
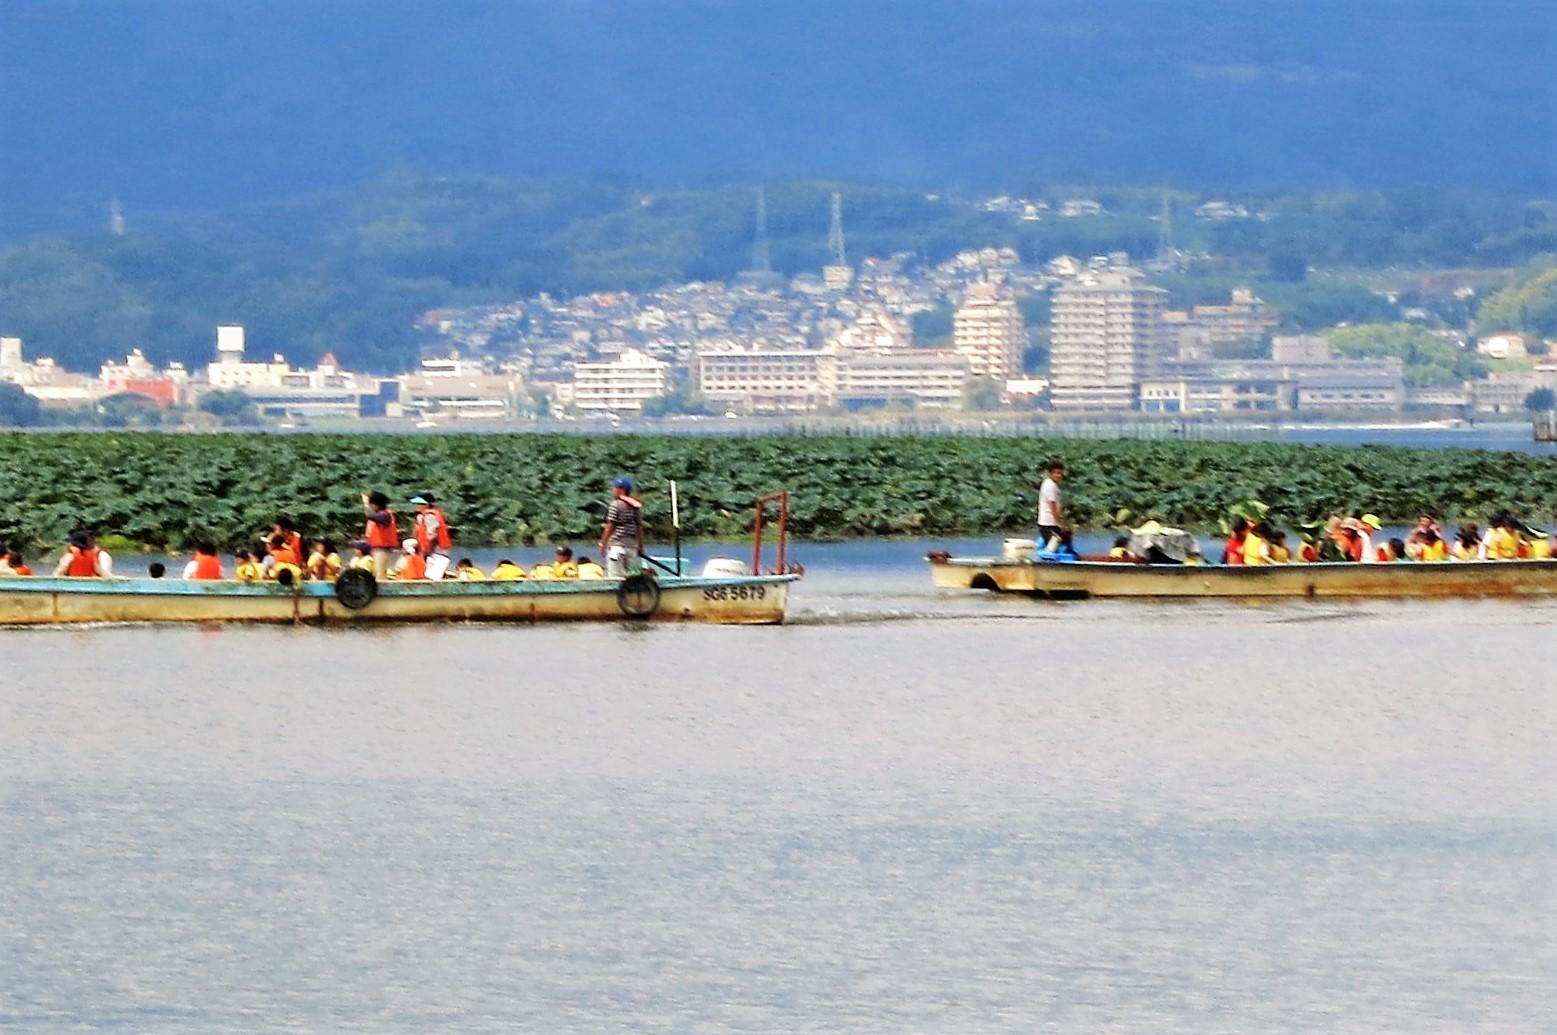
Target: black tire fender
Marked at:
356, 588
638, 596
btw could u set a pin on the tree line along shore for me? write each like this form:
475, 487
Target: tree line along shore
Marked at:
168, 491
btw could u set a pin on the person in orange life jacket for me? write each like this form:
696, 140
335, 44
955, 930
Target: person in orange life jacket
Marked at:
432, 535
411, 565
284, 526
84, 559
283, 560
381, 533
205, 565
14, 561
1232, 553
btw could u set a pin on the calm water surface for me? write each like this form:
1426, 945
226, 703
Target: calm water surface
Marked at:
907, 811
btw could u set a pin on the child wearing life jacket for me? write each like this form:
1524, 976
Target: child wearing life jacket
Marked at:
412, 565
1256, 548
16, 562
466, 571
1232, 552
361, 556
588, 570
245, 567
284, 563
324, 563
1279, 553
507, 571
1431, 547
1120, 551
206, 565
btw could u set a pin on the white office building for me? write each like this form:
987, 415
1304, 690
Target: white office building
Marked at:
1107, 336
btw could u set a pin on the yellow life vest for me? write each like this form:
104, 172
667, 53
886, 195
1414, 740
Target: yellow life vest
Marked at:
472, 574
1541, 549
1254, 550
590, 571
363, 563
281, 566
543, 571
1434, 551
1502, 545
564, 570
507, 573
1118, 553
249, 571
1280, 555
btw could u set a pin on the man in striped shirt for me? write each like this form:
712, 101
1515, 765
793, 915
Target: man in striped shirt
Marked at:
622, 538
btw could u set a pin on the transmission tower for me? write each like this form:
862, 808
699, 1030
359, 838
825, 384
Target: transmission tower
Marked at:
761, 262
835, 232
1165, 231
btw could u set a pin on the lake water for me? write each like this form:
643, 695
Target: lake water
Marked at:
906, 811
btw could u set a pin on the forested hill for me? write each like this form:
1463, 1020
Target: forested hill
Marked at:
348, 271
176, 105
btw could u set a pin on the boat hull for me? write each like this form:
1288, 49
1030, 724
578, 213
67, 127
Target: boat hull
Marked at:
737, 600
1080, 579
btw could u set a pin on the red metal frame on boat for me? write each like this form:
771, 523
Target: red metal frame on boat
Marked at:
783, 531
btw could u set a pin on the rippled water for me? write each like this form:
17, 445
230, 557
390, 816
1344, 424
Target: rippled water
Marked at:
906, 811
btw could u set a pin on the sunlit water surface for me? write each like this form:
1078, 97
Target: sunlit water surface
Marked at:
906, 811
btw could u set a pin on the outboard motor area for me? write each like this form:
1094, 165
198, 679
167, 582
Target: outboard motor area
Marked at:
724, 567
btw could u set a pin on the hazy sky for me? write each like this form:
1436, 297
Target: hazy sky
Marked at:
176, 104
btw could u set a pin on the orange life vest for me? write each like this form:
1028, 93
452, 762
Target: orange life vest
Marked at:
83, 563
208, 566
285, 555
415, 567
1234, 550
1384, 553
385, 536
424, 537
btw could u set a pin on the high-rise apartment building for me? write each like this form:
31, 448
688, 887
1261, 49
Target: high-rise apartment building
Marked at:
987, 329
1107, 335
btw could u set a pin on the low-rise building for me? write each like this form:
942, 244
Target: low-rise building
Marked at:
1245, 386
921, 378
620, 385
763, 380
1504, 391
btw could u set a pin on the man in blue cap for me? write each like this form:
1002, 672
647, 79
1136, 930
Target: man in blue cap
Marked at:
622, 538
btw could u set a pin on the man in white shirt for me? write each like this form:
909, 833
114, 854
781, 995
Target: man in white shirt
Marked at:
1053, 531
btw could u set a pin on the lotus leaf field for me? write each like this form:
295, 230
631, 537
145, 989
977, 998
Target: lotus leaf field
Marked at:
167, 491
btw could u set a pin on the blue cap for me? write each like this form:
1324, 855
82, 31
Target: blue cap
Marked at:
419, 500
623, 482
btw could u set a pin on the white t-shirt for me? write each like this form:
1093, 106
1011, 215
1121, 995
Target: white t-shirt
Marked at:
1049, 503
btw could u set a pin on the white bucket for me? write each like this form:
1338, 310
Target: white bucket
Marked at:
1017, 550
724, 567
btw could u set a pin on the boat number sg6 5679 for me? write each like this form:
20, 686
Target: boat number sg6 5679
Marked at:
734, 592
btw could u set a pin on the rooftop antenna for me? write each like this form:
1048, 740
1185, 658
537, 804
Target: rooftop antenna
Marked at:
760, 260
115, 217
835, 232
